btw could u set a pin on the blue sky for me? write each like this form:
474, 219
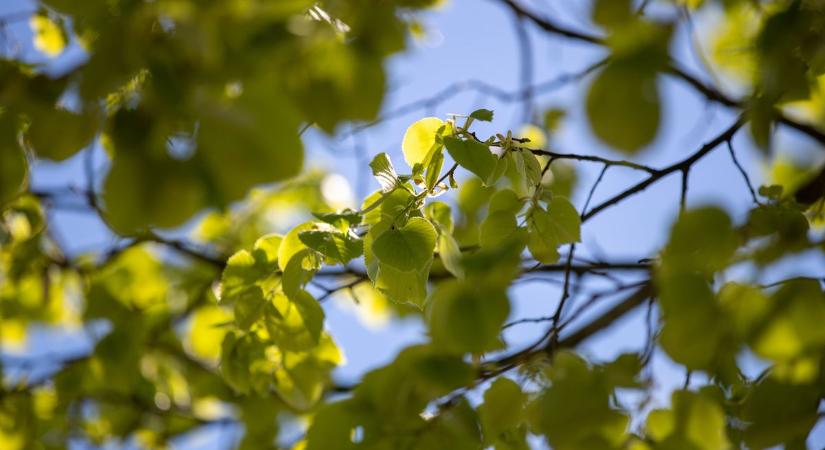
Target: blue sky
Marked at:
476, 40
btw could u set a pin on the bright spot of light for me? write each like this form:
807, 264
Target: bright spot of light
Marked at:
337, 191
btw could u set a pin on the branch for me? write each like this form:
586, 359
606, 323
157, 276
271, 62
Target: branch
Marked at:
597, 325
709, 92
680, 166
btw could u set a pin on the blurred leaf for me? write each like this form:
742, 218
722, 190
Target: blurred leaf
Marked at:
623, 107
466, 317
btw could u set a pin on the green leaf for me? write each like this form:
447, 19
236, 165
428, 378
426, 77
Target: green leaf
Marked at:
623, 107
408, 248
502, 410
484, 115
76, 131
466, 317
553, 118
248, 307
333, 426
611, 13
301, 268
693, 325
745, 307
384, 172
450, 254
575, 412
403, 287
398, 286
419, 143
13, 166
471, 155
295, 322
441, 214
434, 169
342, 220
386, 207
419, 375
777, 412
506, 200
695, 421
338, 246
793, 328
566, 220
256, 268
498, 228
456, 428
292, 244
139, 193
248, 140
702, 239
532, 169
548, 229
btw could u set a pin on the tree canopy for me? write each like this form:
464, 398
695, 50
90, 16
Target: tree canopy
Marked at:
207, 312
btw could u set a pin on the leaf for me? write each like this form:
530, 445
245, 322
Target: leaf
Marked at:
295, 323
292, 244
611, 13
484, 115
553, 118
245, 269
13, 166
692, 330
567, 228
506, 200
440, 213
560, 224
466, 316
434, 169
777, 412
623, 107
384, 172
745, 305
388, 207
695, 421
502, 410
403, 287
398, 286
471, 155
342, 220
248, 307
76, 131
301, 268
498, 228
340, 247
248, 140
532, 168
206, 333
575, 412
450, 254
793, 328
419, 141
702, 239
409, 248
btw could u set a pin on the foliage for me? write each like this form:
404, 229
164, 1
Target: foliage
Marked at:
200, 104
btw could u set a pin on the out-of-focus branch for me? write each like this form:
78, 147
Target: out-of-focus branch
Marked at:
710, 92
